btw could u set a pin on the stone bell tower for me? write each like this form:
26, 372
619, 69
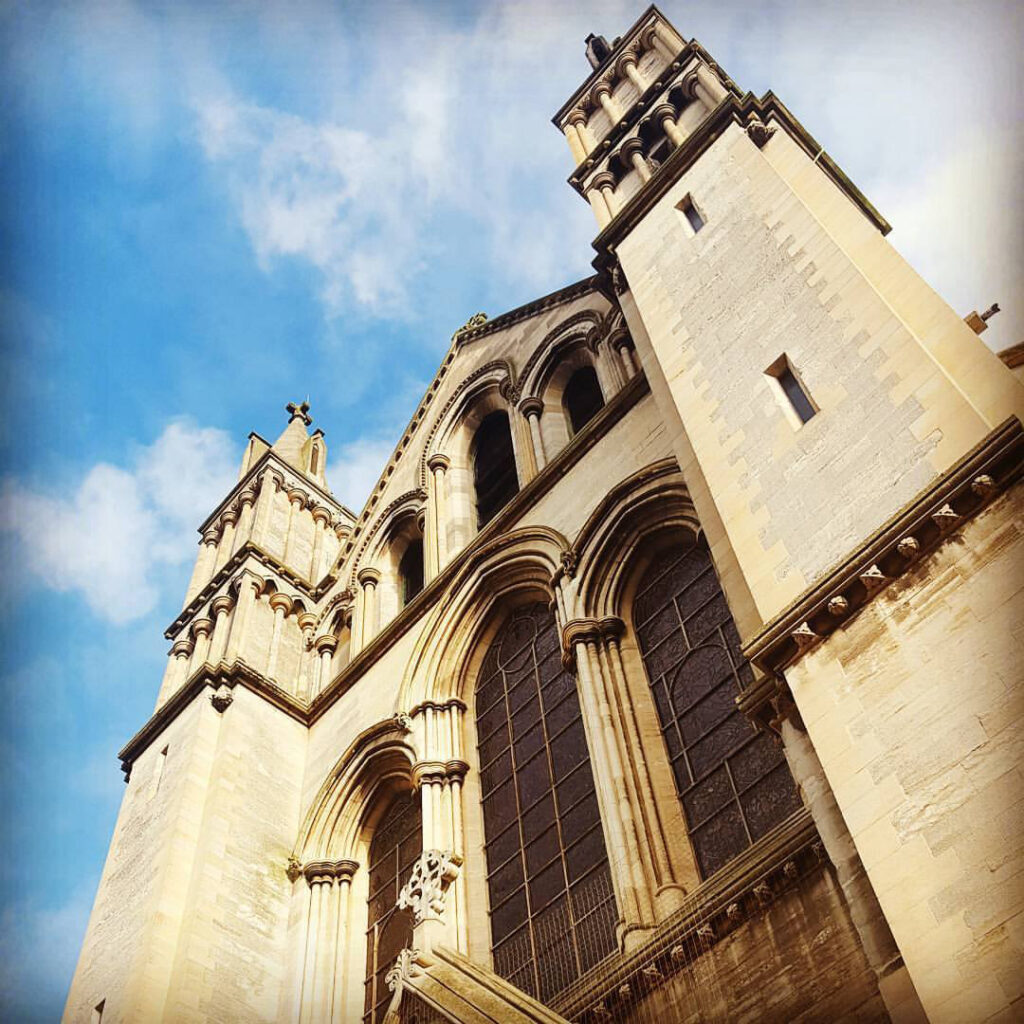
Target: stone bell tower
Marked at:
852, 450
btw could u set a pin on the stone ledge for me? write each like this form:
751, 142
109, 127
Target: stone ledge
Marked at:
735, 893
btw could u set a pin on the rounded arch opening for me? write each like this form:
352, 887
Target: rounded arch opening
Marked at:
582, 398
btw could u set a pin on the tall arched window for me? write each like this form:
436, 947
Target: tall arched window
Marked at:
397, 842
552, 905
733, 781
494, 466
410, 570
582, 398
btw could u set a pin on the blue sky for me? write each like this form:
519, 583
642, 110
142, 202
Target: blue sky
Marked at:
211, 209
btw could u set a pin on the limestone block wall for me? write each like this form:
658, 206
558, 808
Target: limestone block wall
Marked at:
786, 265
130, 940
915, 710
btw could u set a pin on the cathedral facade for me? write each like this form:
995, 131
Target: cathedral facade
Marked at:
671, 671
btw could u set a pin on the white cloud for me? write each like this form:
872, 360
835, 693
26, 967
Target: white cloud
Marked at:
355, 469
107, 539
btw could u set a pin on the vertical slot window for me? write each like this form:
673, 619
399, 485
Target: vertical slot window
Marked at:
97, 1012
791, 392
694, 219
158, 771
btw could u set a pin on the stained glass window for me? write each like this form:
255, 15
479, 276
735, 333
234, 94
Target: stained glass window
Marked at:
733, 781
552, 906
397, 843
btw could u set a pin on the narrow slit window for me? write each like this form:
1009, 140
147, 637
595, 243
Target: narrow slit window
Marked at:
691, 213
792, 389
97, 1012
158, 772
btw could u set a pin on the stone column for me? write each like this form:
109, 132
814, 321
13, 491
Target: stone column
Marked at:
249, 589
601, 95
620, 833
606, 183
281, 604
177, 669
205, 563
246, 502
456, 773
325, 645
322, 990
221, 608
666, 114
626, 67
615, 670
599, 206
666, 38
576, 147
270, 482
880, 947
227, 537
623, 346
297, 499
368, 580
307, 673
707, 87
321, 521
652, 39
532, 408
202, 629
438, 465
633, 151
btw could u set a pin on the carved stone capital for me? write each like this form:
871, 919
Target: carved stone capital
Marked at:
281, 601
229, 517
368, 577
603, 180
306, 621
182, 647
297, 496
326, 642
600, 89
663, 110
630, 147
202, 627
222, 604
438, 461
322, 514
247, 497
428, 773
423, 896
576, 117
211, 536
627, 58
455, 770
532, 406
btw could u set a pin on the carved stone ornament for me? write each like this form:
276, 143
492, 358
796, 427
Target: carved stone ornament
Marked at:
838, 606
405, 967
568, 560
221, 698
908, 547
476, 320
804, 635
983, 485
873, 579
403, 723
945, 518
758, 131
294, 868
423, 895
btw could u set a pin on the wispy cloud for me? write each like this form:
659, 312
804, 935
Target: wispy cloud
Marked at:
108, 539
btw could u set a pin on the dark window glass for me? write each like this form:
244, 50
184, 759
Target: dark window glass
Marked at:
553, 913
692, 214
796, 395
733, 781
410, 570
397, 842
582, 398
494, 466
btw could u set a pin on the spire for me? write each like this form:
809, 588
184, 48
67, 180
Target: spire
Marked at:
300, 411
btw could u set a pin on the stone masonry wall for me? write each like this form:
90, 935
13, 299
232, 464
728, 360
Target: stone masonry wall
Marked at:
915, 710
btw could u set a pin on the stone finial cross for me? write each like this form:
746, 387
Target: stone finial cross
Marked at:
301, 411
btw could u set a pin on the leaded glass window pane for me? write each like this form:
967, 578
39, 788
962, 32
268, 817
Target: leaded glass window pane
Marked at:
397, 843
553, 913
733, 781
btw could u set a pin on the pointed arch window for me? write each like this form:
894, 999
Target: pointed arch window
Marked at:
733, 781
582, 398
552, 906
397, 843
494, 466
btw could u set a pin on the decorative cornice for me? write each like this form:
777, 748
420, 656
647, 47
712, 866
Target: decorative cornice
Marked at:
918, 529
